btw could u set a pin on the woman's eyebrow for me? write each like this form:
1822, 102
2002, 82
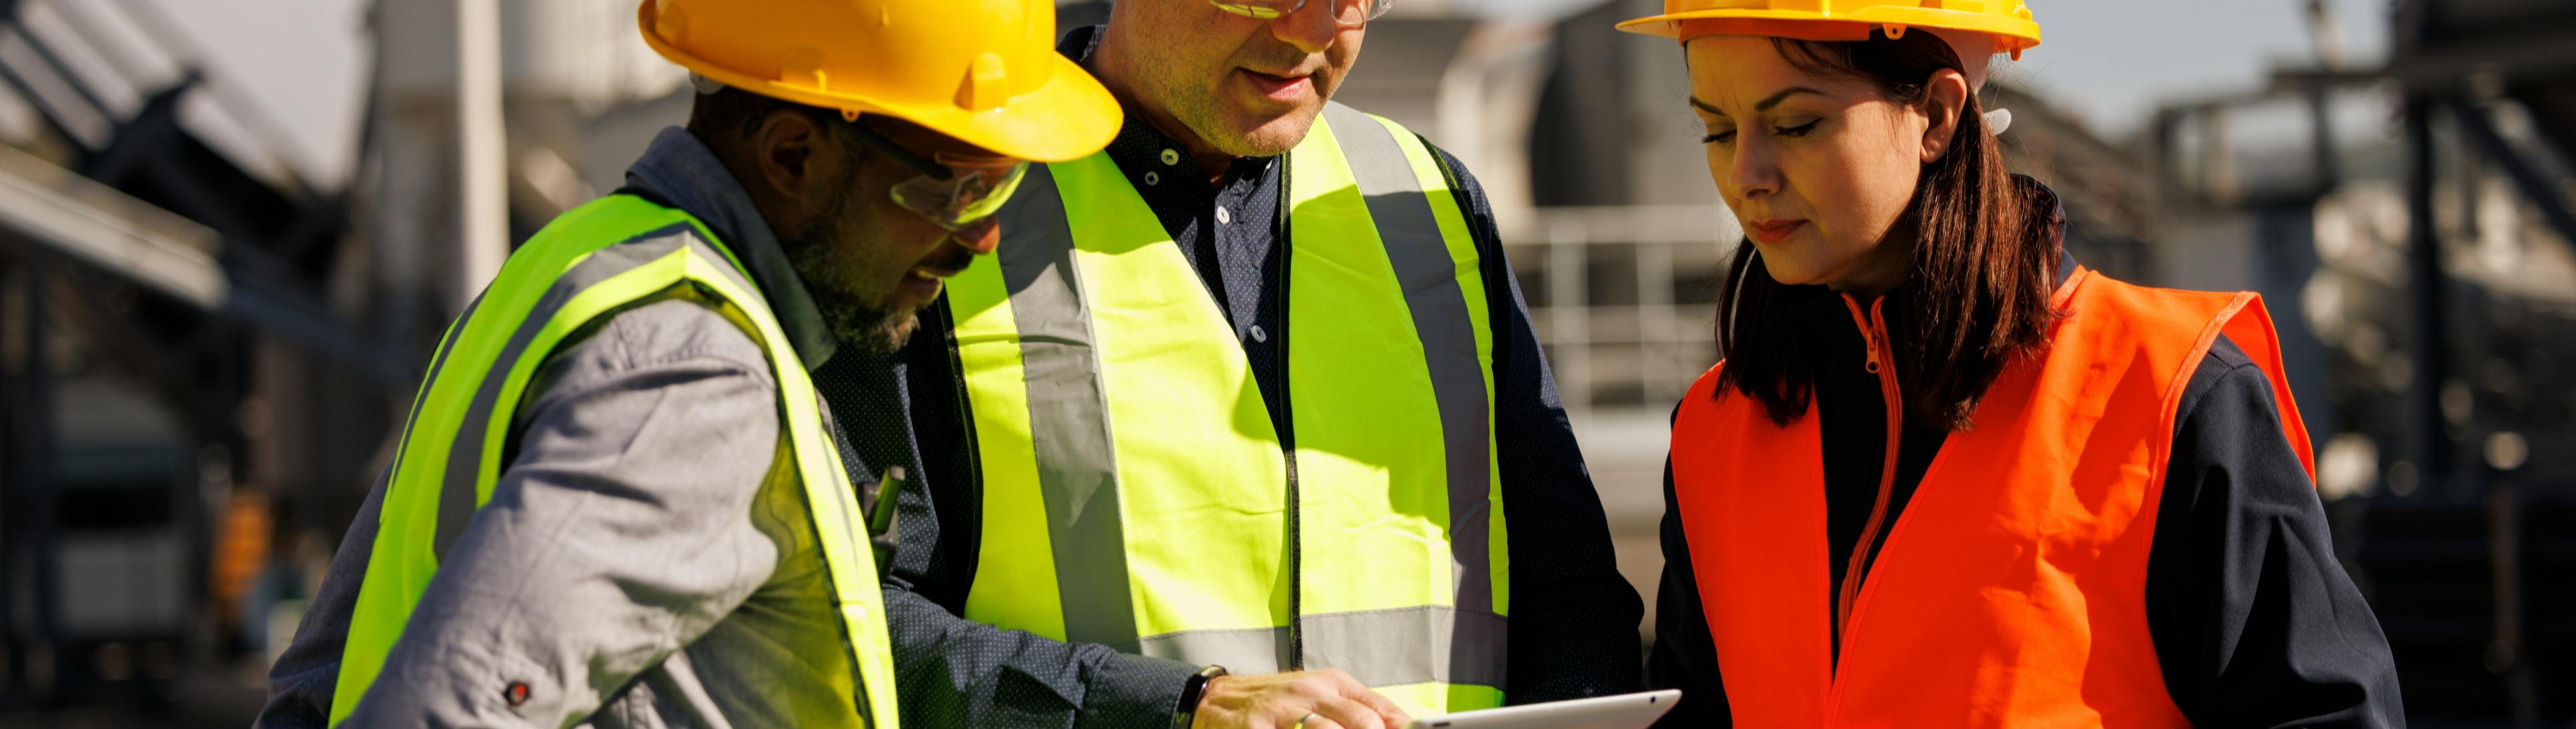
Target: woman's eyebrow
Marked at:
1774, 99
1764, 105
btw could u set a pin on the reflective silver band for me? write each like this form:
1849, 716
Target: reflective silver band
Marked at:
1379, 647
1068, 414
1429, 278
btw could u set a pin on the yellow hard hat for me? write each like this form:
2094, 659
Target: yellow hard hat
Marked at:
982, 71
2008, 22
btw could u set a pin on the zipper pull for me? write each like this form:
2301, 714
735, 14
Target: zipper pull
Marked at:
1877, 334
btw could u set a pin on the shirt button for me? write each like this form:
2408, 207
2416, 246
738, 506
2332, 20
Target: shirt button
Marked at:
1223, 217
1258, 335
1171, 157
1153, 179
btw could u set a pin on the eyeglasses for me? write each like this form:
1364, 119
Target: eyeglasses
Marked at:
1346, 13
957, 192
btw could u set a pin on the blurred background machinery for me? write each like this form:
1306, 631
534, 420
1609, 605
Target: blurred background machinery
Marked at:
230, 231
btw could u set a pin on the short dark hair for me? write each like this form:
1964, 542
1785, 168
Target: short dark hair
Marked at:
735, 112
1981, 272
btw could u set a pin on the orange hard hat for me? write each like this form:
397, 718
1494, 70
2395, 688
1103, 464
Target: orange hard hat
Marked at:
2006, 22
982, 71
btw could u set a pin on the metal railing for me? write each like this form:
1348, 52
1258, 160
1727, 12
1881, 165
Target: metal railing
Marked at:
1623, 298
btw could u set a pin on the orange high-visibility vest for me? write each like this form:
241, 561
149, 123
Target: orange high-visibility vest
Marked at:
2011, 589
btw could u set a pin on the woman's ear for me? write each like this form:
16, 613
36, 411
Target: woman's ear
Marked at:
1945, 97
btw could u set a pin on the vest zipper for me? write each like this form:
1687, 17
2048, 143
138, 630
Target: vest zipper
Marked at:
1873, 328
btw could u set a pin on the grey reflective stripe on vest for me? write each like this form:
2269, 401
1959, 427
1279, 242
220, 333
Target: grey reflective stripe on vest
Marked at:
1077, 472
458, 494
438, 362
1429, 278
1379, 647
1068, 415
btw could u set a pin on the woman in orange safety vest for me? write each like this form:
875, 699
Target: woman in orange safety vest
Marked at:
1946, 476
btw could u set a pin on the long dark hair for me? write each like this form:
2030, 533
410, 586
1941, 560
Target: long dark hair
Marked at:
1981, 268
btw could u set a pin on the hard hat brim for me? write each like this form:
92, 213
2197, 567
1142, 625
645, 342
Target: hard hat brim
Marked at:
1068, 117
2012, 34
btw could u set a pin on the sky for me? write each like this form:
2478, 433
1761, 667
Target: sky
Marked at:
2108, 61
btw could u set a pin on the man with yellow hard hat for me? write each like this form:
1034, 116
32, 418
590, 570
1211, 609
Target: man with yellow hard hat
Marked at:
1245, 425
619, 500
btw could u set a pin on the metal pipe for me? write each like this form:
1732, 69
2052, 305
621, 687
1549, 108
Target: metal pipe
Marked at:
2503, 502
62, 114
2551, 205
71, 80
2328, 159
227, 97
2504, 546
58, 212
13, 640
76, 16
483, 232
1568, 310
2424, 266
2321, 31
1657, 349
35, 473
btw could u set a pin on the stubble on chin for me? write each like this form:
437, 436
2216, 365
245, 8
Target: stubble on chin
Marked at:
855, 316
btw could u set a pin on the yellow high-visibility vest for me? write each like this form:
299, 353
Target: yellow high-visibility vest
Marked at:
596, 259
1135, 491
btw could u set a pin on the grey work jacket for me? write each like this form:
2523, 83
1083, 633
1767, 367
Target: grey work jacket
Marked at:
637, 565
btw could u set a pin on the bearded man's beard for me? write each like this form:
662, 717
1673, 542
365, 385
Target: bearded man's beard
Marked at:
855, 315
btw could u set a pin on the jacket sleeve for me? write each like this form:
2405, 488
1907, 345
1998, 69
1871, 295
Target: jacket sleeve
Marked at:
2253, 618
300, 684
620, 532
1684, 657
1573, 616
952, 671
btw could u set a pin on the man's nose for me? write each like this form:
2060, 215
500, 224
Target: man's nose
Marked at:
980, 237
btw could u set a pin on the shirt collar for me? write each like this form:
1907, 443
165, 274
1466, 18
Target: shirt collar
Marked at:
684, 174
1080, 42
2041, 197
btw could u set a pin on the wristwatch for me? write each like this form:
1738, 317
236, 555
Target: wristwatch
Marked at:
1191, 691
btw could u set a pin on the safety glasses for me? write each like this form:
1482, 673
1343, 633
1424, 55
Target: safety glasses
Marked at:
1347, 13
957, 192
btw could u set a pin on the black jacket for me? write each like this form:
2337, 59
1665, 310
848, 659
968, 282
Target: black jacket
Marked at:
2253, 619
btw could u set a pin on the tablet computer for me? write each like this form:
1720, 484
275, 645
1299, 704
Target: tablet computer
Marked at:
1624, 711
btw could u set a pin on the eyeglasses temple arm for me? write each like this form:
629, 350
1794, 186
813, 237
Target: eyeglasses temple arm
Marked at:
912, 159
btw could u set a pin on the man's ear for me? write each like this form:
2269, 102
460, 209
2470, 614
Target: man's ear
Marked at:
1945, 97
783, 144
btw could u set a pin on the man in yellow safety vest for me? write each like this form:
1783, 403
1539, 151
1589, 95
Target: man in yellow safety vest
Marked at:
1248, 426
618, 500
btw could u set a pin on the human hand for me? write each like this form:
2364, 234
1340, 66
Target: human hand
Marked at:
1322, 699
